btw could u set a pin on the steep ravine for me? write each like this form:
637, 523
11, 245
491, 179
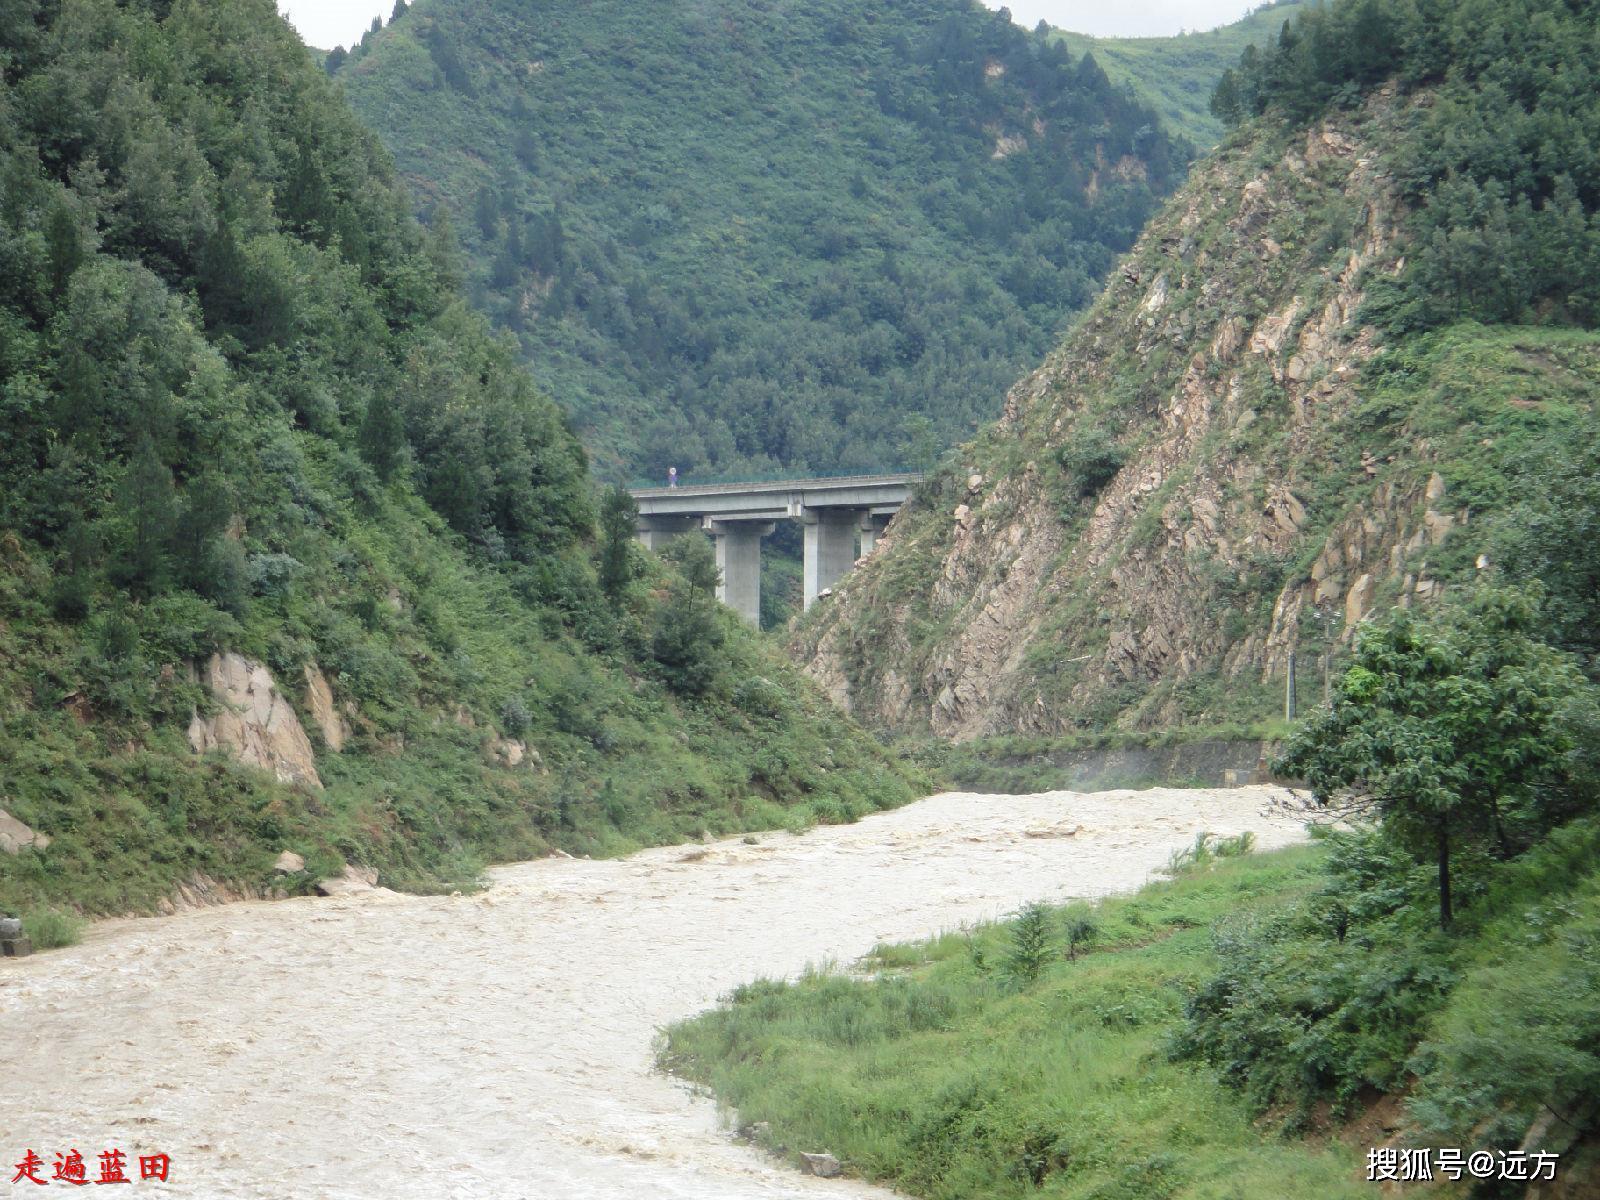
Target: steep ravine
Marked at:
1248, 504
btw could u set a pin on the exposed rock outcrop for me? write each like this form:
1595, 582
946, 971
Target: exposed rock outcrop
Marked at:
319, 703
15, 837
253, 722
202, 891
1145, 512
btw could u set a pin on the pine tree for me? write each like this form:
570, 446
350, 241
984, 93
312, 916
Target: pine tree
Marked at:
149, 513
619, 515
688, 633
1030, 945
381, 439
202, 519
65, 242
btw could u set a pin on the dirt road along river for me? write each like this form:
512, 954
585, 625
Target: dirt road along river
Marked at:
499, 1045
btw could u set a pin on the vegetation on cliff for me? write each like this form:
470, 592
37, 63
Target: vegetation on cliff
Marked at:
1242, 451
244, 412
751, 237
1499, 164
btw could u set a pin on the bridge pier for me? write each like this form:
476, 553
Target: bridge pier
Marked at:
872, 526
834, 511
654, 532
739, 560
830, 548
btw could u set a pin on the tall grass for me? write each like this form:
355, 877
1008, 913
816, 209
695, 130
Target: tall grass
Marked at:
947, 1075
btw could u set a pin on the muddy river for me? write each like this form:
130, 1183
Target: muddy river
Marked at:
499, 1045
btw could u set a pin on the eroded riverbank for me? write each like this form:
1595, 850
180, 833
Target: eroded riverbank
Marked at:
499, 1045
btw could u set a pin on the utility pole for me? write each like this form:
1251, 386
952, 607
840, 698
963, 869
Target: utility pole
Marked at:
1325, 616
1288, 689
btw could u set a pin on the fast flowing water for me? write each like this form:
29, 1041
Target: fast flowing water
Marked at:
499, 1045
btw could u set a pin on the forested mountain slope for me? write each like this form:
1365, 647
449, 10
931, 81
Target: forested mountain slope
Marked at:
294, 556
758, 234
1352, 356
1176, 75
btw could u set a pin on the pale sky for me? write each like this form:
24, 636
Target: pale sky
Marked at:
329, 23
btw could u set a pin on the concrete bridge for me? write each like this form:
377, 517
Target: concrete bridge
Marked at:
835, 512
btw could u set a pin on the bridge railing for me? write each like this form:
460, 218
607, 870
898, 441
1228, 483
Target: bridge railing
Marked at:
687, 480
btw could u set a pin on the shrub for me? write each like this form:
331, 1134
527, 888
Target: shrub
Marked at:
514, 717
1091, 460
51, 928
1030, 945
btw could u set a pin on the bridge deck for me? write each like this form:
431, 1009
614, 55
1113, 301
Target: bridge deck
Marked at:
780, 486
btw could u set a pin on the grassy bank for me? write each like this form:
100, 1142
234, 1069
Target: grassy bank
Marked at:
946, 1075
1245, 1030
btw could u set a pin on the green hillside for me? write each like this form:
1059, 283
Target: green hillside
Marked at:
1176, 75
760, 235
248, 424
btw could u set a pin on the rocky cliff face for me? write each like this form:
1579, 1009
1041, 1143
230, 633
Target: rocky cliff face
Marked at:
254, 722
1192, 488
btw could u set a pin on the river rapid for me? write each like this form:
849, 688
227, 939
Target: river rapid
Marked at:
499, 1045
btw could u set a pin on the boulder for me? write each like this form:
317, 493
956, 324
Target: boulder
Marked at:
289, 863
256, 724
824, 1166
15, 837
351, 881
507, 752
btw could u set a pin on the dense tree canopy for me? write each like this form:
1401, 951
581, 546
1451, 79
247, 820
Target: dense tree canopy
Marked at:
1502, 163
245, 410
174, 266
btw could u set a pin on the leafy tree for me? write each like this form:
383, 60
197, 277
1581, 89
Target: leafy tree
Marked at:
689, 631
1081, 930
1451, 730
619, 518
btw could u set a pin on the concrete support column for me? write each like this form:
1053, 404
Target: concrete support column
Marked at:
830, 547
655, 532
872, 526
739, 560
